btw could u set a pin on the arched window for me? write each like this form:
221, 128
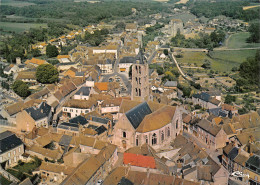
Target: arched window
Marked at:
139, 80
139, 92
177, 124
136, 92
162, 136
136, 69
139, 69
168, 132
136, 80
136, 141
124, 134
154, 139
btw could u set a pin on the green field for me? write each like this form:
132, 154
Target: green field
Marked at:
238, 40
220, 60
20, 27
4, 181
15, 3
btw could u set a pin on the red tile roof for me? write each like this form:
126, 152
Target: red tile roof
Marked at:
139, 160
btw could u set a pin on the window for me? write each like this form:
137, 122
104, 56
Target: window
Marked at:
14, 152
136, 141
86, 111
9, 154
124, 134
139, 69
162, 136
154, 139
136, 69
168, 132
177, 124
146, 139
139, 92
139, 80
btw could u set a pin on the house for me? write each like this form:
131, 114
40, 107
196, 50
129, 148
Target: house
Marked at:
113, 49
170, 85
27, 76
101, 86
82, 94
73, 127
143, 158
11, 149
106, 66
111, 106
73, 108
131, 27
54, 172
252, 169
230, 152
205, 100
63, 58
12, 68
71, 72
211, 134
36, 62
125, 63
35, 116
129, 176
94, 168
142, 123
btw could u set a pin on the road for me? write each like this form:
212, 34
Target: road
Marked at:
175, 61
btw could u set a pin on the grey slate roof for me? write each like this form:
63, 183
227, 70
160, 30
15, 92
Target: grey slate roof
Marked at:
137, 114
170, 84
203, 96
215, 111
69, 126
100, 129
254, 161
99, 120
84, 90
39, 113
65, 140
8, 141
233, 153
79, 120
127, 60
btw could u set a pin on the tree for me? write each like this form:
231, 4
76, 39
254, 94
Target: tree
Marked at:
165, 51
51, 51
229, 99
21, 88
254, 30
47, 73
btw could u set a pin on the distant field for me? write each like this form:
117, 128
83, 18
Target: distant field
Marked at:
238, 40
184, 16
15, 3
226, 60
182, 2
249, 7
19, 27
220, 61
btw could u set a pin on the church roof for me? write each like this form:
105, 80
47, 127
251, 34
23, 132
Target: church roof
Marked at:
137, 114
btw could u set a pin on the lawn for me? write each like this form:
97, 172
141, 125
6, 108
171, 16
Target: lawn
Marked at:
4, 181
19, 27
220, 60
26, 167
15, 3
193, 57
238, 40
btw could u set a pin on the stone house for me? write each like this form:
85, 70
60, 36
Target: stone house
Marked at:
11, 149
211, 134
94, 168
34, 117
205, 100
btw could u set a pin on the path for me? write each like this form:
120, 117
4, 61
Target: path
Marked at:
175, 61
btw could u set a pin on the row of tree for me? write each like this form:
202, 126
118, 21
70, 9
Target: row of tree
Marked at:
203, 40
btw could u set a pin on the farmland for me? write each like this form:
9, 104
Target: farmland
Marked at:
220, 60
19, 27
15, 3
238, 40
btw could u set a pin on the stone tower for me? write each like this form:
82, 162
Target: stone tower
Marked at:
174, 26
140, 79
